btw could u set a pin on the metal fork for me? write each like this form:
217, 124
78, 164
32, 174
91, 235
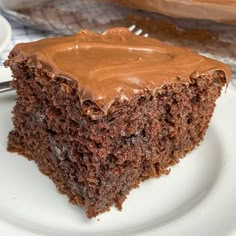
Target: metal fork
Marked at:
5, 86
137, 31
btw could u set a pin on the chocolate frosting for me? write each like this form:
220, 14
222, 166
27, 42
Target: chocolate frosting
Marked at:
218, 10
116, 64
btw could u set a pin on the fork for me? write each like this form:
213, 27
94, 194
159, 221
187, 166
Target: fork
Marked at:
137, 31
5, 86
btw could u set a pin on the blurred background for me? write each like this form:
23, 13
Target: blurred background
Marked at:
207, 27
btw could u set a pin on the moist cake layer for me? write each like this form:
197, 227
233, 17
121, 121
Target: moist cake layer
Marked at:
116, 64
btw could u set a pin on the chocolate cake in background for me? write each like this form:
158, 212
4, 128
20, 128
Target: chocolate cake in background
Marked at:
101, 113
217, 10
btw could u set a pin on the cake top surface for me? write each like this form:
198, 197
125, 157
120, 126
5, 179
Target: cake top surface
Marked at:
116, 64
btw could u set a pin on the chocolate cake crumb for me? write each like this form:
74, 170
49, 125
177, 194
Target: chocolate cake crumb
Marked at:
97, 152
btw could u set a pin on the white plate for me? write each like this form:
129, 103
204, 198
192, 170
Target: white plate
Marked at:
5, 33
196, 198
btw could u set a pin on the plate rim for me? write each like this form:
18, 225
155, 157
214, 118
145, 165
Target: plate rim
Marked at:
6, 27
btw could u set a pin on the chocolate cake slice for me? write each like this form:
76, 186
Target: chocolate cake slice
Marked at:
99, 113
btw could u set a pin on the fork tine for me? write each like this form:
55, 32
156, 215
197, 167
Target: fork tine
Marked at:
132, 27
146, 35
138, 32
